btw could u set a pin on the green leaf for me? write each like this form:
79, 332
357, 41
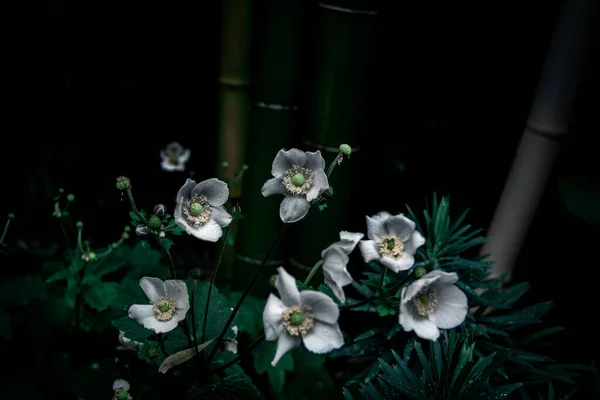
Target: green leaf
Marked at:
347, 394
166, 243
235, 385
502, 392
249, 318
385, 309
5, 329
135, 220
133, 330
114, 261
98, 294
523, 316
176, 230
263, 355
21, 290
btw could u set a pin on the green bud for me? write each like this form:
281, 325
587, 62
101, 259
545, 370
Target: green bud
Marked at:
114, 245
61, 190
419, 272
123, 183
71, 197
153, 352
345, 149
160, 210
141, 230
79, 224
94, 366
154, 222
272, 280
92, 255
127, 228
195, 273
124, 235
11, 216
329, 192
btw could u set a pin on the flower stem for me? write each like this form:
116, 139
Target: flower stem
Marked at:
312, 273
5, 230
193, 314
245, 293
168, 253
212, 282
241, 355
78, 309
64, 232
134, 208
335, 162
368, 300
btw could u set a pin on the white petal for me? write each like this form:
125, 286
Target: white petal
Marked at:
284, 344
121, 384
452, 306
410, 321
415, 241
335, 272
401, 263
323, 338
400, 226
210, 231
314, 160
295, 157
161, 326
185, 156
293, 208
153, 288
336, 289
319, 185
349, 240
215, 190
280, 164
323, 307
185, 192
167, 166
444, 277
273, 186
286, 286
414, 288
221, 216
369, 250
230, 345
273, 317
375, 228
177, 290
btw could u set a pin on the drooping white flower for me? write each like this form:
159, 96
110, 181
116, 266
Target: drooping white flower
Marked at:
121, 389
335, 259
199, 210
169, 303
128, 344
300, 316
431, 303
393, 241
174, 157
300, 176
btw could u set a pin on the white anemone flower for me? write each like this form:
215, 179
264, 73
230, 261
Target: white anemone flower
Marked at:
174, 157
300, 316
169, 303
121, 389
199, 210
393, 241
335, 261
431, 303
300, 176
128, 344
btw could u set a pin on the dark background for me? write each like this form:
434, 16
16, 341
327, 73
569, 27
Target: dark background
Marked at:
96, 89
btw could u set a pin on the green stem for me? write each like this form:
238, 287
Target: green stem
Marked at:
312, 273
212, 282
79, 242
368, 300
78, 308
245, 293
134, 208
168, 253
335, 162
5, 231
64, 231
241, 355
193, 311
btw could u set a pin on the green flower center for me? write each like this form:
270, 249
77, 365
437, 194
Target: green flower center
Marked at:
297, 318
164, 307
174, 160
424, 298
196, 209
153, 352
298, 179
390, 244
122, 395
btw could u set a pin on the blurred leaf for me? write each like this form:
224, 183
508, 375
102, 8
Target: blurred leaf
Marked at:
581, 196
98, 294
132, 329
235, 386
263, 355
21, 290
249, 318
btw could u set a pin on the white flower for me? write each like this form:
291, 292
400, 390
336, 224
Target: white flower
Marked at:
199, 210
174, 157
300, 177
335, 260
393, 241
121, 389
308, 316
169, 304
128, 344
432, 303
231, 344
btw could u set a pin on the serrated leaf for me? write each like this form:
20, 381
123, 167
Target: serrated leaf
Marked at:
98, 294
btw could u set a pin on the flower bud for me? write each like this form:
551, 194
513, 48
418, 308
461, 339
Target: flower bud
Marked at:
127, 228
124, 235
419, 272
162, 234
141, 230
153, 352
196, 273
328, 193
94, 366
123, 183
92, 255
160, 210
345, 149
70, 197
11, 216
61, 190
79, 225
154, 222
272, 280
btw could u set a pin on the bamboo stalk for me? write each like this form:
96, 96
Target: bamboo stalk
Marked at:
339, 97
234, 99
547, 124
273, 119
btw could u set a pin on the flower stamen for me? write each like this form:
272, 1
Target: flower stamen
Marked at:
298, 320
197, 210
164, 308
391, 246
174, 159
426, 301
298, 180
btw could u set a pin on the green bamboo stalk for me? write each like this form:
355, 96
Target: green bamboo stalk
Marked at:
344, 41
278, 37
234, 100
